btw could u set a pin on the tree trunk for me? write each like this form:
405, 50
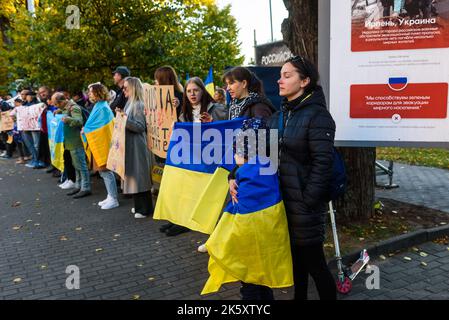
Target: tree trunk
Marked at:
300, 32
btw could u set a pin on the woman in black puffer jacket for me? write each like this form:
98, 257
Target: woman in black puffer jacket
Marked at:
305, 168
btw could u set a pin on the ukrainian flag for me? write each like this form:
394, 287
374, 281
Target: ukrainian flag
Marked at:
251, 242
209, 83
56, 139
192, 193
98, 132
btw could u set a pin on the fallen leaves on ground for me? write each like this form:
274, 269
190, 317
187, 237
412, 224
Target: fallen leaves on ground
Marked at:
408, 258
136, 297
17, 280
63, 238
16, 204
17, 228
98, 249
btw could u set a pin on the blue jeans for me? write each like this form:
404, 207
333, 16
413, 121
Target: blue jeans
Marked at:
82, 172
109, 182
31, 140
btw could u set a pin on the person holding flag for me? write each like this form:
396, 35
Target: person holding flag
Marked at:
251, 241
199, 107
73, 122
97, 135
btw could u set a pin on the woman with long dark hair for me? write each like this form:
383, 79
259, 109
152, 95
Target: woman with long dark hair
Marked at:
166, 76
247, 93
198, 105
306, 143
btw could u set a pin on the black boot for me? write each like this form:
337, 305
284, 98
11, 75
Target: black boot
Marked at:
82, 194
166, 227
176, 230
73, 192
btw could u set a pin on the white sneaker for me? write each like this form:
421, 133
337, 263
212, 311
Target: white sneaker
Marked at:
69, 185
140, 216
110, 204
63, 184
3, 154
133, 210
108, 198
202, 248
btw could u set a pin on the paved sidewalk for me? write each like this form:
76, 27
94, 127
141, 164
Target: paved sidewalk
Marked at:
123, 258
423, 186
404, 277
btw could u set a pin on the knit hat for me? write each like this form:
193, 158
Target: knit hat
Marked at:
250, 145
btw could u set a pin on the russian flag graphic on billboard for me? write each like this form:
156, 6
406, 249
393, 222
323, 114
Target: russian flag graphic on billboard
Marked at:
398, 84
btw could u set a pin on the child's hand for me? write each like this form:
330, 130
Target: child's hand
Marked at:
233, 187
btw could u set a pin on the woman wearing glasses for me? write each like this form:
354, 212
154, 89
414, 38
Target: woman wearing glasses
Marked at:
306, 140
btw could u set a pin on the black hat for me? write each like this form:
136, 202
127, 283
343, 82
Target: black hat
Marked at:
123, 71
255, 124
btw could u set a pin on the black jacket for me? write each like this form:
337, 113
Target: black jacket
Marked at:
119, 101
305, 165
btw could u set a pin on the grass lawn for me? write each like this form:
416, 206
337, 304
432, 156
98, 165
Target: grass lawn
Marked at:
438, 158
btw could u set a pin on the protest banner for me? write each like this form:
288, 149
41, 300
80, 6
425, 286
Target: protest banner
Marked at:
6, 121
160, 116
116, 157
28, 117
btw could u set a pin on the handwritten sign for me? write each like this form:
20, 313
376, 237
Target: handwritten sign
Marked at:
28, 117
160, 116
116, 157
6, 121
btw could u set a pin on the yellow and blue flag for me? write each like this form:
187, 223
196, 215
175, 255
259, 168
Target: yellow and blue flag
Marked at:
209, 82
251, 242
98, 132
56, 139
193, 191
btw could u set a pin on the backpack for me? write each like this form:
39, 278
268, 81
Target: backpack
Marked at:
337, 186
85, 113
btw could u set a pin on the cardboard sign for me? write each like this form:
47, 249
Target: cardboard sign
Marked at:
6, 121
28, 117
116, 157
160, 115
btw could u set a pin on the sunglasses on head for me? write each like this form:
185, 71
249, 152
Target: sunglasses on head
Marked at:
300, 59
297, 59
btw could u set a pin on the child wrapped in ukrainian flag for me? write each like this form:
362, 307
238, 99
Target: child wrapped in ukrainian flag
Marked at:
251, 242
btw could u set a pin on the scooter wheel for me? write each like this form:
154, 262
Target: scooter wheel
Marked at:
345, 286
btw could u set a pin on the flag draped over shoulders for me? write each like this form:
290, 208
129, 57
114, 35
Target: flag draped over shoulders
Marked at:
98, 132
251, 242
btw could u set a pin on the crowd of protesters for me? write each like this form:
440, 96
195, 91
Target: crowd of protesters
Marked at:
305, 149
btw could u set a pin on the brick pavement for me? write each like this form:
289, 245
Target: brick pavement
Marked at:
135, 258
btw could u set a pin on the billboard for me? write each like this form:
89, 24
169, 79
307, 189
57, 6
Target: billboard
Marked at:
272, 54
389, 72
